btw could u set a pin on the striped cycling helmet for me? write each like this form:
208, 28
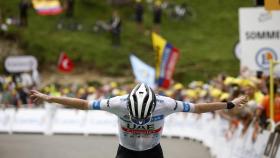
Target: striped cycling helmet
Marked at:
141, 104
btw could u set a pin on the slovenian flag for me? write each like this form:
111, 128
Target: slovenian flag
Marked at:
47, 7
166, 58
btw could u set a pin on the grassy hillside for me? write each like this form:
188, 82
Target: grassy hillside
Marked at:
206, 41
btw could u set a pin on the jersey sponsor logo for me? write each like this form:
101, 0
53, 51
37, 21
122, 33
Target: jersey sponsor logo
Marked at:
157, 118
136, 130
139, 127
160, 101
126, 118
124, 99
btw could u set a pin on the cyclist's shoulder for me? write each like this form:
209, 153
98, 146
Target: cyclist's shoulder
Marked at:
162, 97
164, 100
118, 100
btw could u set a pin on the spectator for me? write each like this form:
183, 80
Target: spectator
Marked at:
23, 12
1, 83
115, 27
82, 94
157, 16
261, 80
3, 26
139, 10
92, 94
70, 8
177, 94
1, 16
6, 96
26, 79
15, 100
23, 94
36, 77
179, 11
253, 93
266, 106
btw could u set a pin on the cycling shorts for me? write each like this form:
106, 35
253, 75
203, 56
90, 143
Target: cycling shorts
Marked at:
155, 152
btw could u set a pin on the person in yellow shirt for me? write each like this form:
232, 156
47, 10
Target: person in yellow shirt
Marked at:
254, 95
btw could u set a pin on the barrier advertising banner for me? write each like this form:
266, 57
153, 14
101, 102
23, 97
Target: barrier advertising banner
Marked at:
101, 122
6, 118
259, 32
30, 120
212, 130
69, 121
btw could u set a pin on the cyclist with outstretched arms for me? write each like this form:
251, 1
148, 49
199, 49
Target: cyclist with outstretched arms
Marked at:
141, 116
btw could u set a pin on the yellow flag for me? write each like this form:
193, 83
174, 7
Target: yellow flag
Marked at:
158, 45
272, 4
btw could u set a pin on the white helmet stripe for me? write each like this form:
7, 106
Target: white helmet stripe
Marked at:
132, 100
141, 97
145, 100
132, 103
150, 99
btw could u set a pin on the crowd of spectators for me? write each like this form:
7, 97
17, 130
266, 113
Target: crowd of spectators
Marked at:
15, 88
14, 92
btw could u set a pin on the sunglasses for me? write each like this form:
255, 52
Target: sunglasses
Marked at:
140, 122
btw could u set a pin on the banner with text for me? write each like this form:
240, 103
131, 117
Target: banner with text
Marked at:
259, 33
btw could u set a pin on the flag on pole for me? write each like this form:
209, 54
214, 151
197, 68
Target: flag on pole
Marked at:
158, 45
65, 64
47, 7
143, 72
166, 58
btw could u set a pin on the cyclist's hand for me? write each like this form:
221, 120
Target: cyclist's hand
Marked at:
38, 97
240, 101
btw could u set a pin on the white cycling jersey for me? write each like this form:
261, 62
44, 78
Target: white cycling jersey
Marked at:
135, 137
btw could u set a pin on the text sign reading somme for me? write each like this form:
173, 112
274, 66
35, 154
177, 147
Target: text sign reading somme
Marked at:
259, 33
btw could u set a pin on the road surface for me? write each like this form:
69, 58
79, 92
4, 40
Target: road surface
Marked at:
78, 146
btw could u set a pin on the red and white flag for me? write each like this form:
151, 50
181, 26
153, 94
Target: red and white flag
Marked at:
65, 64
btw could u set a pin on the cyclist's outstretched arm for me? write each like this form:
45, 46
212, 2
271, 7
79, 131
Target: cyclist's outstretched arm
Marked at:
66, 101
208, 107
